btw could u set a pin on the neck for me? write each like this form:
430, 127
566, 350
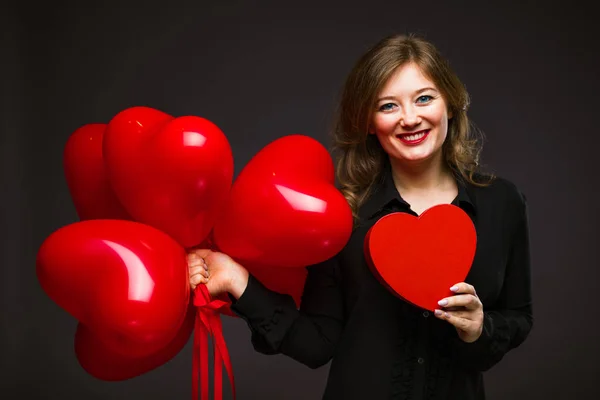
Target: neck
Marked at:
421, 176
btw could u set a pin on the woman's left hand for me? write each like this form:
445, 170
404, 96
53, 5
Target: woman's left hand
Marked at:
463, 310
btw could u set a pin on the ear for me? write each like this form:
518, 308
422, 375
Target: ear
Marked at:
450, 114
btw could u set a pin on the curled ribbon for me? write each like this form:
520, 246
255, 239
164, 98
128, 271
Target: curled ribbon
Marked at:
208, 322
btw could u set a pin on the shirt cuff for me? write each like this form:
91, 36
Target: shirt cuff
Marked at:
256, 300
488, 349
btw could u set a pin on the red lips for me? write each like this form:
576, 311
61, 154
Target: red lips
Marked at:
404, 137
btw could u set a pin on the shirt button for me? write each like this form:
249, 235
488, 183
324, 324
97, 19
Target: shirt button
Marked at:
426, 314
420, 360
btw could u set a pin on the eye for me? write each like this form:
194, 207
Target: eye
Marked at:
387, 107
424, 99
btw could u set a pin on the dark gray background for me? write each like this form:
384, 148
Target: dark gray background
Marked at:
268, 70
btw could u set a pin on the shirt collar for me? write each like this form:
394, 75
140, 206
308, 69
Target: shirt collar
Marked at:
385, 194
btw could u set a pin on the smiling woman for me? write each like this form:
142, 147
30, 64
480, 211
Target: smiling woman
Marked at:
411, 124
403, 145
392, 88
411, 119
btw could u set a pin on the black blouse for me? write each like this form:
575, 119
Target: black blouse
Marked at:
382, 347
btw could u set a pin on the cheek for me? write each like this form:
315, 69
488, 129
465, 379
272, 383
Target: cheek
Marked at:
444, 129
383, 124
441, 120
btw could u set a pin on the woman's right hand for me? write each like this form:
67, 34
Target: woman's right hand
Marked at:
219, 272
198, 270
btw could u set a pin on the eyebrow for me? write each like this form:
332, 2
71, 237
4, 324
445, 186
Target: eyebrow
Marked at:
417, 92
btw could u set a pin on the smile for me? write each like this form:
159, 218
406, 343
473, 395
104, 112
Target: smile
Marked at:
413, 138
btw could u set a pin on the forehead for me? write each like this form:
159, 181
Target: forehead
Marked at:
406, 79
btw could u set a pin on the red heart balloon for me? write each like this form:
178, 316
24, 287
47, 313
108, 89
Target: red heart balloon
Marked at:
170, 173
420, 258
282, 280
284, 210
103, 363
85, 173
127, 282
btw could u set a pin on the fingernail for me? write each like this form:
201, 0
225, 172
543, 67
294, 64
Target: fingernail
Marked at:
454, 288
443, 302
438, 312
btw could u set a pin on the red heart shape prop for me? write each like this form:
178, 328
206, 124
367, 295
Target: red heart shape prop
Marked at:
420, 258
284, 210
103, 363
127, 282
170, 173
85, 173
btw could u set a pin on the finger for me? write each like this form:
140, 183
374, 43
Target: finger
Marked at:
199, 271
193, 259
195, 266
464, 288
203, 265
194, 255
464, 314
450, 316
202, 253
198, 279
468, 301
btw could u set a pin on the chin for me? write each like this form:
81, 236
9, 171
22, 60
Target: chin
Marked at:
414, 156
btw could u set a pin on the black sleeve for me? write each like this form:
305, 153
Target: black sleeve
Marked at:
308, 335
508, 323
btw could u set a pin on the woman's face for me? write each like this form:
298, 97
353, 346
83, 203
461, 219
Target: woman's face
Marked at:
411, 116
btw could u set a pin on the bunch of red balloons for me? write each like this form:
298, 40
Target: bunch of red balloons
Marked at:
147, 187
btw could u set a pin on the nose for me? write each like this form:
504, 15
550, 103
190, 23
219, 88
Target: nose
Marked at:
409, 117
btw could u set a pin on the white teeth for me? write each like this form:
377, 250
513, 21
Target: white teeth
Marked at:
414, 137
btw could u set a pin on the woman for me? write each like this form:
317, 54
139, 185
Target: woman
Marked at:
404, 145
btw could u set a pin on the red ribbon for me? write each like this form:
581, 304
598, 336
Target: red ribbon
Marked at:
208, 322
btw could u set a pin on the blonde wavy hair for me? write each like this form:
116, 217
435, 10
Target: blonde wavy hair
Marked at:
360, 159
